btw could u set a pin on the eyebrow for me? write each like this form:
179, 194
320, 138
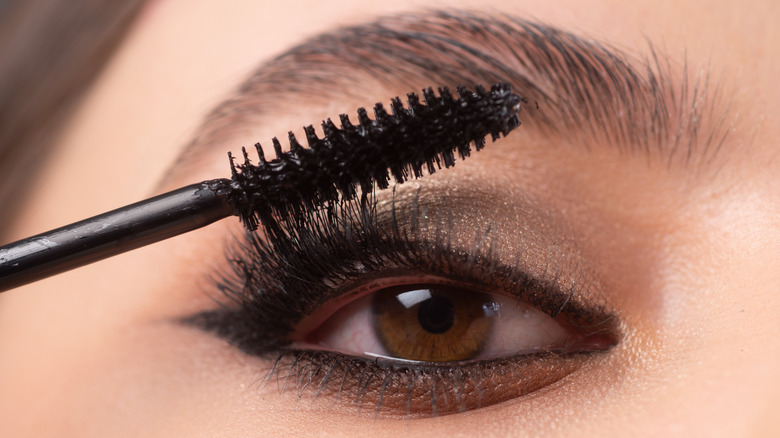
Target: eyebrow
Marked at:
579, 89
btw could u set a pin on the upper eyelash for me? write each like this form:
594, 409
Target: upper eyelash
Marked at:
288, 271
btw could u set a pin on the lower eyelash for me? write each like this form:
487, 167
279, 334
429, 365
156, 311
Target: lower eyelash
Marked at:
388, 388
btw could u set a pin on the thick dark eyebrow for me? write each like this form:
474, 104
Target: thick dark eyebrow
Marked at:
578, 88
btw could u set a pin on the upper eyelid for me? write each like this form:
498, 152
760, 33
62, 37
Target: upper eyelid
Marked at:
273, 287
310, 243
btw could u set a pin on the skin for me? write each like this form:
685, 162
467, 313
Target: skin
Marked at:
688, 258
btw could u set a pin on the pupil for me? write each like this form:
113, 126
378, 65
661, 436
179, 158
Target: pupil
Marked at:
436, 315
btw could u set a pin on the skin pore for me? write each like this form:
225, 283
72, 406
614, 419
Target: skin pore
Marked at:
684, 253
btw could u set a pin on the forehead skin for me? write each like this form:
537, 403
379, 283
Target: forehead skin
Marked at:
94, 353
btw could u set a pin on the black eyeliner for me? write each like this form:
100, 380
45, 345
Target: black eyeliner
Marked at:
399, 145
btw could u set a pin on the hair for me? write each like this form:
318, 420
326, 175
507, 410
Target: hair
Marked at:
50, 53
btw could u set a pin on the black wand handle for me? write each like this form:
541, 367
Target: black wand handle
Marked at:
112, 233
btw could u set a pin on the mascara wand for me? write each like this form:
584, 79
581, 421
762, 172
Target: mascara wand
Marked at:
397, 145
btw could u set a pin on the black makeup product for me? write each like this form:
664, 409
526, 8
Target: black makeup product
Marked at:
399, 144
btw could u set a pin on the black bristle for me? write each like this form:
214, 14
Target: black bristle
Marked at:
345, 123
465, 150
430, 98
295, 147
260, 154
479, 144
311, 137
397, 107
431, 167
449, 158
394, 146
246, 156
363, 118
399, 173
277, 147
414, 103
417, 167
233, 171
446, 96
329, 128
380, 114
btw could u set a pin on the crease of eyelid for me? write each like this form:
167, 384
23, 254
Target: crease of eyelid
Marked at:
647, 103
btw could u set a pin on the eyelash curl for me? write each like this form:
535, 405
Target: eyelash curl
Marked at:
291, 268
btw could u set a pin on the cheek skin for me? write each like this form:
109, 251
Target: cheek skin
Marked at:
78, 332
730, 285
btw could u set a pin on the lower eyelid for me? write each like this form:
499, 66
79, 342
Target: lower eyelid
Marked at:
390, 389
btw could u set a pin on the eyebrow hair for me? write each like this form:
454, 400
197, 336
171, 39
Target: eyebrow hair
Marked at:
579, 88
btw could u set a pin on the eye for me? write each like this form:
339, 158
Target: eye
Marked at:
414, 308
427, 349
441, 323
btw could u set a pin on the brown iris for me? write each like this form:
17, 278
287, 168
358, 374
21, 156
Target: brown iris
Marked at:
432, 323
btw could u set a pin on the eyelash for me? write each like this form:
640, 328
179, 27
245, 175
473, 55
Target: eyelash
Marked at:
285, 273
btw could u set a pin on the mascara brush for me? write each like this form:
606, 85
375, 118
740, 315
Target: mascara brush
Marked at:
398, 145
